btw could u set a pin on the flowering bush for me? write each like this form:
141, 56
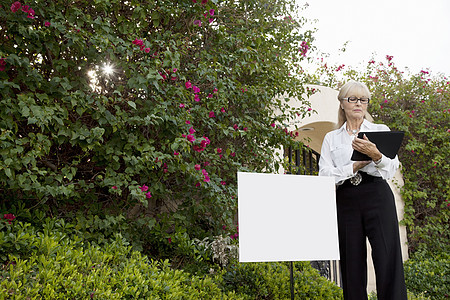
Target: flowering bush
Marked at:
104, 98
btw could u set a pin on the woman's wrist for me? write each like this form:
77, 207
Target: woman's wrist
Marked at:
378, 159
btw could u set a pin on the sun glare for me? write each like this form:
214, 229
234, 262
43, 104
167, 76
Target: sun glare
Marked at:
108, 69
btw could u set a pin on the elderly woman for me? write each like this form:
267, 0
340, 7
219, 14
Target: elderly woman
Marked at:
364, 200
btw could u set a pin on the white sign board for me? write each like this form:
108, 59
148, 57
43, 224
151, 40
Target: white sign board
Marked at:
286, 218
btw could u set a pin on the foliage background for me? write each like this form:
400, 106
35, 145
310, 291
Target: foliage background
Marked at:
189, 102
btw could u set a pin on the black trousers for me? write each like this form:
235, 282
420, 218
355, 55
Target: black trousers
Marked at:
368, 210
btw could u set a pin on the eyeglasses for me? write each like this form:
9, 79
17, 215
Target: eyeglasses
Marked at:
362, 100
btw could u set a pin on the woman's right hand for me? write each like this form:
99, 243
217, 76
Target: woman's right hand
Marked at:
360, 164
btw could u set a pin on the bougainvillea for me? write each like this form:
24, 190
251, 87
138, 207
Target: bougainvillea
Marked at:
126, 103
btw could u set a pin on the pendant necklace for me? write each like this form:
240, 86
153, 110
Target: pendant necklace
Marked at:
354, 132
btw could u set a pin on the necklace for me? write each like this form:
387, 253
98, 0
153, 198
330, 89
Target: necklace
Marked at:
353, 131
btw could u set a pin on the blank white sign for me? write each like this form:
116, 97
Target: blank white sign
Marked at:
286, 218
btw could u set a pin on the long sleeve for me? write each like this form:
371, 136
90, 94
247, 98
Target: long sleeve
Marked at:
327, 166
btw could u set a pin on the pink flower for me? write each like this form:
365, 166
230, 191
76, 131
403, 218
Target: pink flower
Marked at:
181, 105
197, 184
169, 240
211, 114
385, 101
207, 140
176, 153
188, 122
195, 89
233, 154
198, 22
144, 188
204, 1
188, 84
9, 217
25, 8
273, 124
148, 195
223, 183
245, 128
191, 130
207, 179
236, 127
211, 12
183, 135
309, 109
138, 42
15, 6
197, 167
210, 95
215, 90
389, 57
371, 62
197, 98
219, 150
210, 20
147, 50
114, 187
206, 163
175, 70
2, 64
30, 13
47, 24
303, 48
220, 156
190, 138
198, 148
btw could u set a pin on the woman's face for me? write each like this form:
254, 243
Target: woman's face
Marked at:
354, 111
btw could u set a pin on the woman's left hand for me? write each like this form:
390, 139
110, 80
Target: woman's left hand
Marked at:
367, 147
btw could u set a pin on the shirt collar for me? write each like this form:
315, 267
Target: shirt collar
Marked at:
365, 125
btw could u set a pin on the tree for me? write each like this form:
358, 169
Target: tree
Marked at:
146, 106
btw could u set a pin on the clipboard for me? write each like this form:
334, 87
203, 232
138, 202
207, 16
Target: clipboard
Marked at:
388, 142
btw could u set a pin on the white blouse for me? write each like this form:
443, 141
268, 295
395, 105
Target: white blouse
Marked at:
337, 150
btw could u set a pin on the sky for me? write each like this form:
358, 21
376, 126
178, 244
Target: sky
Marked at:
415, 32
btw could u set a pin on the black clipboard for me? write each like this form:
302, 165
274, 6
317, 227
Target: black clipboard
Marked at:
388, 142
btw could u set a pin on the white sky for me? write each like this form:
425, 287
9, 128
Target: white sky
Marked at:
415, 32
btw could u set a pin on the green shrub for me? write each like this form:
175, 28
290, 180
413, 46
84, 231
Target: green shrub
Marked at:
58, 261
272, 281
411, 296
50, 265
429, 274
